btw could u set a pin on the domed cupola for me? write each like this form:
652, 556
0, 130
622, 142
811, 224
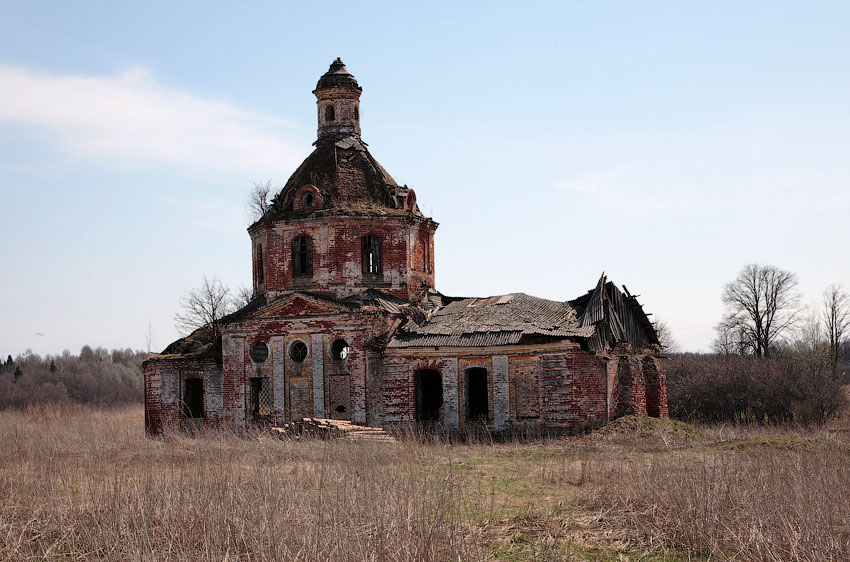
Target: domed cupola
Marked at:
341, 223
340, 177
338, 100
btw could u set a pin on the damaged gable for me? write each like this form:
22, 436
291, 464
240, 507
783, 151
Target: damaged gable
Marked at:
615, 316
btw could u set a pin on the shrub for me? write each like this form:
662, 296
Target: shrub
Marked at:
733, 388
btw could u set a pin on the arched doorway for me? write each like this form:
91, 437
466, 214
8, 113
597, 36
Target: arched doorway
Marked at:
429, 395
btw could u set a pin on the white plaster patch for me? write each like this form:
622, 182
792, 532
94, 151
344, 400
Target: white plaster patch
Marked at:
317, 341
501, 392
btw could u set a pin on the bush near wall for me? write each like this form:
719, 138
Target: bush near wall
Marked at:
739, 389
96, 377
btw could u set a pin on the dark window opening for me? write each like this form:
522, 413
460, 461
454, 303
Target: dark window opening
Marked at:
260, 272
477, 395
357, 112
259, 352
371, 255
429, 395
307, 199
193, 398
302, 256
330, 114
298, 351
340, 409
260, 406
340, 350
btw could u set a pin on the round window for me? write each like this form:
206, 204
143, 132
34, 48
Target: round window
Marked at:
259, 352
307, 199
298, 351
340, 349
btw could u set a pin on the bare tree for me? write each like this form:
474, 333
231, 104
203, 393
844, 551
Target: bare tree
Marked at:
761, 305
836, 323
730, 338
204, 307
665, 336
242, 297
258, 199
149, 337
809, 347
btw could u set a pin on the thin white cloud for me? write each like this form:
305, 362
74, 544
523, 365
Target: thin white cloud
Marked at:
131, 119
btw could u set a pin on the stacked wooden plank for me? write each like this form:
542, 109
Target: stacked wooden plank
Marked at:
332, 429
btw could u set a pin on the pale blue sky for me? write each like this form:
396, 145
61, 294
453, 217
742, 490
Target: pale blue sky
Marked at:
666, 143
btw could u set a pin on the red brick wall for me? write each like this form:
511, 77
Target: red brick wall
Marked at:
564, 388
406, 251
164, 381
574, 389
356, 328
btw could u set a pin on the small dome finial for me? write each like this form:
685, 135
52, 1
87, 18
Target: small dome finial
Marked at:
337, 76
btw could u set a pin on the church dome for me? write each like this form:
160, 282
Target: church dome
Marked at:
340, 177
345, 179
337, 76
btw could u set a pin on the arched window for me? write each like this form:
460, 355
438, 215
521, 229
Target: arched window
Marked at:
357, 112
260, 272
340, 350
371, 255
302, 256
330, 114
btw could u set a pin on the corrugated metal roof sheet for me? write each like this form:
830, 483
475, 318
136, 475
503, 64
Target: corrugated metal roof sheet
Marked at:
499, 320
483, 339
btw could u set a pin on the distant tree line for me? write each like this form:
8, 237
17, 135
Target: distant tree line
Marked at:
96, 376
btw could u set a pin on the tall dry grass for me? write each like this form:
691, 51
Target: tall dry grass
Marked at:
77, 483
84, 484
741, 493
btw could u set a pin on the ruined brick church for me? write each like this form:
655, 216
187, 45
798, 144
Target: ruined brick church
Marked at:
346, 322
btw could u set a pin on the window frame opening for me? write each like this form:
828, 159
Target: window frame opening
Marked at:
477, 391
340, 350
308, 198
428, 392
259, 352
330, 113
371, 258
193, 398
302, 257
261, 402
261, 274
298, 351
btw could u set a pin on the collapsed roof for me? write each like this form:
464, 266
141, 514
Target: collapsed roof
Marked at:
604, 316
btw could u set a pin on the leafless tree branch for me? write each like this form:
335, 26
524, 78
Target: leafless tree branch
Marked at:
836, 323
762, 303
204, 307
258, 199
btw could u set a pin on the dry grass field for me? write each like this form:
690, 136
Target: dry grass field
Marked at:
81, 484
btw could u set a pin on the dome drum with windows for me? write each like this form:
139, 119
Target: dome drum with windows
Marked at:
341, 223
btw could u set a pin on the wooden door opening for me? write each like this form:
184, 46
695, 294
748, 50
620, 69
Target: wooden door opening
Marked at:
429, 395
193, 398
477, 394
